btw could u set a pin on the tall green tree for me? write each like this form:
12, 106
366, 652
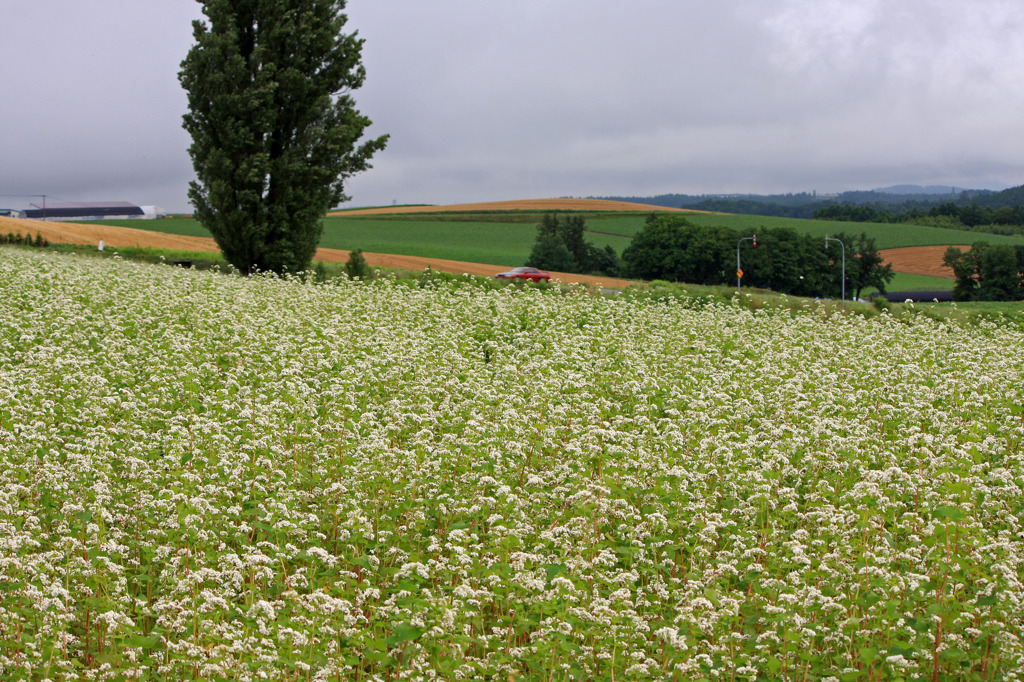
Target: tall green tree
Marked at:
964, 265
562, 246
550, 253
865, 267
275, 132
1000, 273
987, 272
571, 232
655, 251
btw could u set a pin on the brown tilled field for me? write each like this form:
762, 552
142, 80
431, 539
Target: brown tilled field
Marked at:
920, 260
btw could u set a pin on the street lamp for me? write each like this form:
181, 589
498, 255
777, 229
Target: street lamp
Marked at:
832, 239
739, 270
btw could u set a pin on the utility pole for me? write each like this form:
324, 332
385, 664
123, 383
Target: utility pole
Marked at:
832, 239
739, 270
24, 196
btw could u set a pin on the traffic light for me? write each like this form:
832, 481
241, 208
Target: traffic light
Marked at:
755, 240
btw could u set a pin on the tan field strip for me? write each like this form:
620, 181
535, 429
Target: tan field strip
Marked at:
918, 260
520, 205
92, 234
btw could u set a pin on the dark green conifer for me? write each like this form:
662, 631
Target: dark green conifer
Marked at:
274, 131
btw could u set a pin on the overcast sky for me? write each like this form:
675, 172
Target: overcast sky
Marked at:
513, 99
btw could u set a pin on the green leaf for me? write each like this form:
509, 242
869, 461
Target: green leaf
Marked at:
901, 649
951, 513
404, 633
554, 570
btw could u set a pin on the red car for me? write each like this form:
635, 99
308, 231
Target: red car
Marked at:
532, 274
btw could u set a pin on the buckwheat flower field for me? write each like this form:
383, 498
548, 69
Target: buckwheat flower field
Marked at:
211, 477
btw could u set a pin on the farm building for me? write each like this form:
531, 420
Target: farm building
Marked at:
84, 210
10, 213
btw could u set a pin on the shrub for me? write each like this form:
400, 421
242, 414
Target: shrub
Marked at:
357, 267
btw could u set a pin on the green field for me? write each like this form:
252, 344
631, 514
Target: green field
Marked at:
903, 281
506, 237
886, 236
492, 242
216, 477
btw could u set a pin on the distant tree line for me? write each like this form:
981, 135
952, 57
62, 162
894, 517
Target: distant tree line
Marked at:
755, 207
986, 272
561, 246
915, 205
973, 217
784, 260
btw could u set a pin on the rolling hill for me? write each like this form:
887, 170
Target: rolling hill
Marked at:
481, 238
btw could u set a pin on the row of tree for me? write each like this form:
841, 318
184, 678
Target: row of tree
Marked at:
781, 259
561, 246
987, 272
24, 240
1006, 219
894, 202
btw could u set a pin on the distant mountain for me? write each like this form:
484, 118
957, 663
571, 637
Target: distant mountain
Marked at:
1013, 196
918, 189
694, 200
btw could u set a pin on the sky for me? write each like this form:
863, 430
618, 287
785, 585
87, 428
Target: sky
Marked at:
489, 100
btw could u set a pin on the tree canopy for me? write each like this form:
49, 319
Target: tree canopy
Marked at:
986, 272
784, 260
275, 132
562, 246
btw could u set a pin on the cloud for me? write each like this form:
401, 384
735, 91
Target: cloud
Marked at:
93, 108
499, 100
